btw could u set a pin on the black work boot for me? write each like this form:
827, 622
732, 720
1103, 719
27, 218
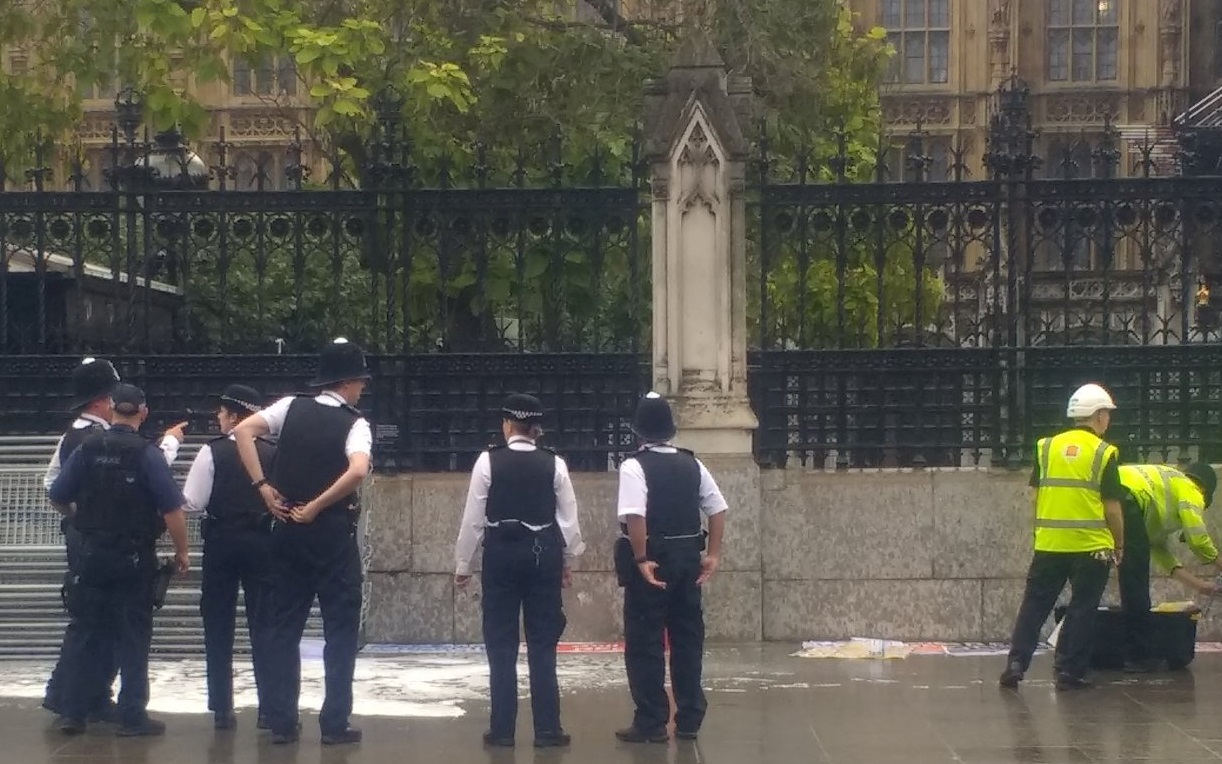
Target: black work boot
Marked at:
634, 735
146, 727
346, 736
1066, 682
1010, 678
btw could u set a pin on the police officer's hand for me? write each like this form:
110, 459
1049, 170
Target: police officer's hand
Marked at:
182, 563
462, 581
566, 578
305, 513
649, 571
1118, 556
274, 501
708, 566
177, 432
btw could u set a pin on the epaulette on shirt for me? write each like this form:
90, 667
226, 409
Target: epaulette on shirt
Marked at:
353, 410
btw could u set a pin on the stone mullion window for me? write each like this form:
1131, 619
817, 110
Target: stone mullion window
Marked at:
1083, 40
920, 32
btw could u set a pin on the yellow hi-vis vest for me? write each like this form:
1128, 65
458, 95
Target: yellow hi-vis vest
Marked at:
1171, 505
1069, 513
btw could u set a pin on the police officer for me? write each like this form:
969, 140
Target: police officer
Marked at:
237, 546
1078, 522
92, 382
663, 493
121, 496
521, 504
1163, 502
322, 457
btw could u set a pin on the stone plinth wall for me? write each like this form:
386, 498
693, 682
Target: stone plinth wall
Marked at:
809, 555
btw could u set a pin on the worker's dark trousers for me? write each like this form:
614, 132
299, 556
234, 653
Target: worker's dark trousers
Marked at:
522, 573
233, 557
120, 607
103, 665
321, 558
1046, 578
1135, 586
648, 612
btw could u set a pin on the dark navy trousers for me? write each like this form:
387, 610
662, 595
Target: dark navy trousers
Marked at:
112, 610
522, 574
319, 559
103, 663
233, 557
650, 612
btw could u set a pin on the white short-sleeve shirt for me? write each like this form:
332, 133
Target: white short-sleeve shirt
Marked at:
633, 491
360, 436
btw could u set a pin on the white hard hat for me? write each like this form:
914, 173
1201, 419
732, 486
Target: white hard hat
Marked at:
1088, 399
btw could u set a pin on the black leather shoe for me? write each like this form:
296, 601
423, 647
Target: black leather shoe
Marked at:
498, 741
553, 740
224, 720
145, 728
1066, 682
286, 736
52, 706
1010, 678
71, 726
634, 735
262, 723
346, 736
685, 734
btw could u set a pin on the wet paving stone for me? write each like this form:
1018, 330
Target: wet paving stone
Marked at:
765, 707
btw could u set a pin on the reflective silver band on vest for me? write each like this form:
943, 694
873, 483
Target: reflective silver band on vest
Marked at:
1045, 523
498, 524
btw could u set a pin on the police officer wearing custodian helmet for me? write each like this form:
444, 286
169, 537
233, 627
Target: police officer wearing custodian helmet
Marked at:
237, 545
663, 493
121, 496
521, 503
92, 383
323, 454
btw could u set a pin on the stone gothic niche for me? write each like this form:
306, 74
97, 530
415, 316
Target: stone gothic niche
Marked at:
1170, 29
702, 262
999, 40
698, 169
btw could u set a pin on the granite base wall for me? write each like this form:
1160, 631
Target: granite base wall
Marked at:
937, 555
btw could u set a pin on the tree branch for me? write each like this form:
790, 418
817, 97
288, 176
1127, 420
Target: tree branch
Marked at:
607, 11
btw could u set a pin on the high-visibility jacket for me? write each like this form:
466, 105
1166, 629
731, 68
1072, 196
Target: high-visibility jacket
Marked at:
1171, 504
1069, 514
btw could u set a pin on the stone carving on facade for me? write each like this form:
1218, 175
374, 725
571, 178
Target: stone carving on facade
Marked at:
1081, 108
1170, 33
967, 111
95, 129
999, 41
698, 172
260, 126
910, 111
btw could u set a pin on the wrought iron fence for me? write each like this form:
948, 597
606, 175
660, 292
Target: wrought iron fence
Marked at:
943, 321
495, 249
430, 412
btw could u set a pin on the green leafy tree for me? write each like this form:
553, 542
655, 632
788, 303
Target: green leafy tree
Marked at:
560, 86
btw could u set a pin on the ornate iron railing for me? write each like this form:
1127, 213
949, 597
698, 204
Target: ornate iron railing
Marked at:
430, 412
493, 250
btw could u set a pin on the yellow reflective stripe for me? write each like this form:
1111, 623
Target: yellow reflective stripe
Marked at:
1195, 531
1046, 523
1189, 505
1096, 467
1066, 483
